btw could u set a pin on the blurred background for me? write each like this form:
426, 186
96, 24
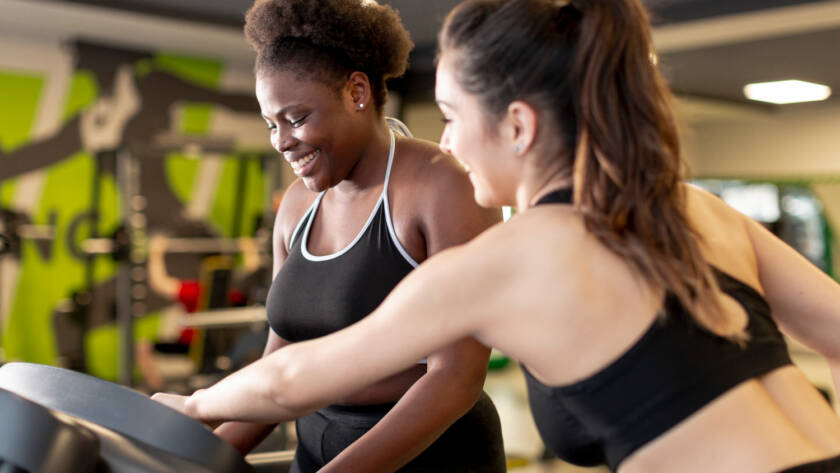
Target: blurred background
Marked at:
125, 120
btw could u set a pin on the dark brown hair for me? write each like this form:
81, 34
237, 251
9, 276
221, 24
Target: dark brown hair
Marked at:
587, 65
326, 40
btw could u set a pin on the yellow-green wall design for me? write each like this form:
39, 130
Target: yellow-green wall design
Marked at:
39, 276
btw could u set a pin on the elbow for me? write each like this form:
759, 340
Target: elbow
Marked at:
286, 388
463, 389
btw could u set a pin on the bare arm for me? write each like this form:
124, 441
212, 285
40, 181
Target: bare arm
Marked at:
804, 300
414, 320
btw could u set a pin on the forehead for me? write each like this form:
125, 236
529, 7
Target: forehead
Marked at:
446, 88
276, 89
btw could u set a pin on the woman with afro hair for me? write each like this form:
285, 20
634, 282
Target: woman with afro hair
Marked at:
368, 206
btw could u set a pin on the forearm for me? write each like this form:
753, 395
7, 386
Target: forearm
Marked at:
258, 393
433, 403
244, 436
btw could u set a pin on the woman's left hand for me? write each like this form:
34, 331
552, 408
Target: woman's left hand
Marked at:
180, 404
175, 401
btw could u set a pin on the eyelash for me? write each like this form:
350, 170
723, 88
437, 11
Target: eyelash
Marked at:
293, 124
445, 120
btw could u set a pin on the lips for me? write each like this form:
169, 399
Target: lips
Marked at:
300, 164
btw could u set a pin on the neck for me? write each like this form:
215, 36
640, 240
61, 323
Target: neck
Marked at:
369, 169
538, 182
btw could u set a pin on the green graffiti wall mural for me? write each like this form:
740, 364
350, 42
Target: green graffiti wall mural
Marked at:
63, 186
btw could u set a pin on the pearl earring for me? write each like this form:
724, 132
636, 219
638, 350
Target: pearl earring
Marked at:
361, 106
517, 148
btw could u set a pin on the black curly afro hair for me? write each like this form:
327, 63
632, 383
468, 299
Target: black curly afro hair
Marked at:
326, 40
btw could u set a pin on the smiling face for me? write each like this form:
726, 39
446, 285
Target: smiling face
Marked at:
311, 125
467, 137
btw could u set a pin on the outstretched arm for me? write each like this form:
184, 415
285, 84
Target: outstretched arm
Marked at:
414, 320
804, 300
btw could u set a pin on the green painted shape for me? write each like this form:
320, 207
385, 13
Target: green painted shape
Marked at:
19, 104
254, 198
82, 92
102, 345
7, 191
143, 67
42, 284
223, 212
180, 173
195, 118
199, 71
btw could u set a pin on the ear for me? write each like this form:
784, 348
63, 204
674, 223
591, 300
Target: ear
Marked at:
521, 123
359, 93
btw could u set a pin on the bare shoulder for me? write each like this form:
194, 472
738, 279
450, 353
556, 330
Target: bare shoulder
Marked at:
724, 231
422, 163
296, 200
432, 200
553, 233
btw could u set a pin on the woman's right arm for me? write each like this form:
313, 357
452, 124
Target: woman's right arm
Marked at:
804, 300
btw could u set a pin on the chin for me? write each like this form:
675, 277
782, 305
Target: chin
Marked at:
314, 184
487, 200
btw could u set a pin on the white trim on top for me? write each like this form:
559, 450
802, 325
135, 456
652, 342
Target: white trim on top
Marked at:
304, 250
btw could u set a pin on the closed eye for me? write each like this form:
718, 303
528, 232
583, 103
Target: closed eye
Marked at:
297, 123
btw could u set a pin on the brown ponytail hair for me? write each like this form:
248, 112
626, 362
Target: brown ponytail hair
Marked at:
588, 66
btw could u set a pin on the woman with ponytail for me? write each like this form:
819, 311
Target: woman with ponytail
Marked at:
645, 311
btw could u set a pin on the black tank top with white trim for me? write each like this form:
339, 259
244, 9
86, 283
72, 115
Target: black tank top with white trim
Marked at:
312, 296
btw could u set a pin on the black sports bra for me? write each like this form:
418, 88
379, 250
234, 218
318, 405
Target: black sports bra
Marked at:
313, 296
673, 370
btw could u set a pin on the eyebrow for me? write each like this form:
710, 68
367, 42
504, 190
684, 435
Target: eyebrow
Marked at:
282, 111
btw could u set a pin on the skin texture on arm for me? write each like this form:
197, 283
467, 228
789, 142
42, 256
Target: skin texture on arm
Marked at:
455, 375
804, 300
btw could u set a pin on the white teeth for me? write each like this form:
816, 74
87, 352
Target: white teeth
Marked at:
300, 163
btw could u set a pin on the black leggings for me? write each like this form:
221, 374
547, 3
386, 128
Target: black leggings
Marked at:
472, 444
830, 465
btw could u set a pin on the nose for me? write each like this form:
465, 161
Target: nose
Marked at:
282, 140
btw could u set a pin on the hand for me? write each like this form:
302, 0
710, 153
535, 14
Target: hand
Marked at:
179, 403
174, 401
